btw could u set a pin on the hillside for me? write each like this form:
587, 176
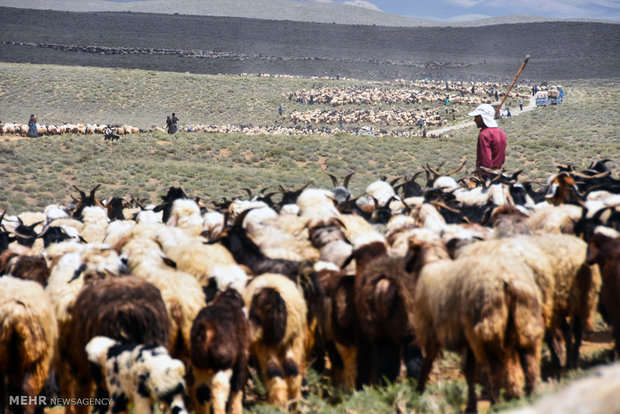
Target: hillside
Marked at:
231, 45
317, 12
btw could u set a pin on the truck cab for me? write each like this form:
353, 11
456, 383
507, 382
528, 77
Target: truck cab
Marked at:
542, 98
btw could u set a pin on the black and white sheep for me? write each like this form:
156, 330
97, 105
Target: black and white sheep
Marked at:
141, 375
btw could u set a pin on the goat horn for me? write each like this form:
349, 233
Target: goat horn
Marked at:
435, 172
457, 169
347, 178
241, 217
591, 177
442, 205
92, 192
82, 193
334, 180
395, 180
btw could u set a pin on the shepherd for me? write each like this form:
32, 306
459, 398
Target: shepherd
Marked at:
172, 124
491, 147
32, 127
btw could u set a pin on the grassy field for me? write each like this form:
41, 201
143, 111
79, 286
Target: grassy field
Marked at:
37, 172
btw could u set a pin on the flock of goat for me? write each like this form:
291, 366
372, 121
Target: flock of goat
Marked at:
172, 303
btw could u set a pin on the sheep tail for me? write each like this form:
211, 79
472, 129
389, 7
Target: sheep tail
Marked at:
176, 316
525, 324
384, 296
22, 331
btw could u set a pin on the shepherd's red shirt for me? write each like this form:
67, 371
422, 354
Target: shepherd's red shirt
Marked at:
491, 149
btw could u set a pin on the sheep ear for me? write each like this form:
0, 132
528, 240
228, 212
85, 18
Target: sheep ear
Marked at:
591, 253
172, 220
169, 262
78, 272
347, 262
412, 259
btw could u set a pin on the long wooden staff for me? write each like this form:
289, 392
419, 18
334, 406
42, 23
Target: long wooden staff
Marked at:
527, 57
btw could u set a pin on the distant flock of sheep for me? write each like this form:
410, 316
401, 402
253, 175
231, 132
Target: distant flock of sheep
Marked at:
326, 122
170, 304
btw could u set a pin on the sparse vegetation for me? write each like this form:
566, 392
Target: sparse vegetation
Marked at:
35, 172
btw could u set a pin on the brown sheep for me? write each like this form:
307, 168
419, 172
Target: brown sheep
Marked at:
568, 286
491, 310
277, 314
28, 334
24, 267
339, 326
383, 304
220, 341
128, 309
605, 251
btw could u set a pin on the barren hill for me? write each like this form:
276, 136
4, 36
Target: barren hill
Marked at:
208, 44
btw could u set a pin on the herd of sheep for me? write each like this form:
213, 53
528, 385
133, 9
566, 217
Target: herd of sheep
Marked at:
171, 304
320, 121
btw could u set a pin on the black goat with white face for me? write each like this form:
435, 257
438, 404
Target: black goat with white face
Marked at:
174, 193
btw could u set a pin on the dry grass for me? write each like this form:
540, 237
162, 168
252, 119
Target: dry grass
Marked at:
36, 172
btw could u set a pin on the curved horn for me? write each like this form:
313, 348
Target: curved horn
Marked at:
347, 178
334, 179
591, 177
92, 192
435, 172
457, 169
395, 180
82, 193
442, 205
239, 219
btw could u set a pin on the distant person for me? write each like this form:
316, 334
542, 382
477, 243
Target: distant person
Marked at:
491, 147
496, 95
453, 115
447, 99
508, 111
280, 110
32, 127
521, 104
174, 124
